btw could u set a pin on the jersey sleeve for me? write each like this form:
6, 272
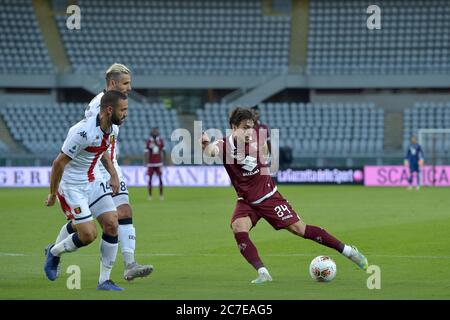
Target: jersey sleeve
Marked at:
91, 110
93, 107
408, 153
76, 141
162, 145
221, 145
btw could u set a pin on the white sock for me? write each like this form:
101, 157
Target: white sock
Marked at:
63, 233
347, 251
127, 238
263, 270
108, 251
66, 245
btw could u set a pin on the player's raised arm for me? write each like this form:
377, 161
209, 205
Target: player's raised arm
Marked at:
210, 149
55, 178
114, 181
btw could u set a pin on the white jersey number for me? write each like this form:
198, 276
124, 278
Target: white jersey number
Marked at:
281, 210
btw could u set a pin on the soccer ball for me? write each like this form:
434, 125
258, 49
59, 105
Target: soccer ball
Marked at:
322, 269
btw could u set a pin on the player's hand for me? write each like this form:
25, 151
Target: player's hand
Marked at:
51, 199
406, 163
421, 163
204, 140
114, 184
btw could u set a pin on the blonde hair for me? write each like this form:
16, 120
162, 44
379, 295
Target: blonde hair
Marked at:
116, 70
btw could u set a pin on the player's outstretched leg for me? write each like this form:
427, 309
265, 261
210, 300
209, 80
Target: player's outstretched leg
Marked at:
161, 187
51, 266
108, 249
149, 186
322, 237
418, 180
410, 180
127, 238
65, 231
85, 234
241, 227
109, 245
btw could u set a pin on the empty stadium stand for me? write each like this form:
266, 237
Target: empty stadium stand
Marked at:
428, 115
3, 147
221, 37
42, 128
22, 49
326, 129
414, 38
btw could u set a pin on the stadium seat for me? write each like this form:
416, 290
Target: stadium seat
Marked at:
323, 128
62, 116
180, 38
345, 46
22, 49
428, 115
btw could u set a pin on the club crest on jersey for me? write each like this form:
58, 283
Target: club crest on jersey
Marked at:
249, 163
77, 210
112, 139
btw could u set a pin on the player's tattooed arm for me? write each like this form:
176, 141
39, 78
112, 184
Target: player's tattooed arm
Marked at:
114, 181
55, 178
210, 149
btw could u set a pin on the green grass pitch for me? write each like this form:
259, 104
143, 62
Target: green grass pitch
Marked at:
188, 240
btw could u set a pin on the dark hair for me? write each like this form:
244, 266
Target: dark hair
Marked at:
111, 98
240, 114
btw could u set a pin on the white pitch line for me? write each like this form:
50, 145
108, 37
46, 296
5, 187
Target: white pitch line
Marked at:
7, 254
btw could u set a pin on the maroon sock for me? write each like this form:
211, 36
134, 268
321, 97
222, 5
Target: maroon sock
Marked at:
248, 249
160, 186
150, 185
319, 235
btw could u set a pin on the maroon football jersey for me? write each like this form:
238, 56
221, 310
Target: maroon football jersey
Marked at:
155, 146
245, 170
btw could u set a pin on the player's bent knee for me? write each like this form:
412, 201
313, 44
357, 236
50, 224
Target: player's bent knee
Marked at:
124, 211
87, 236
110, 226
297, 228
241, 225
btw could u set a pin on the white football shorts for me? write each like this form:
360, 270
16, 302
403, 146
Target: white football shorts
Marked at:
84, 202
122, 196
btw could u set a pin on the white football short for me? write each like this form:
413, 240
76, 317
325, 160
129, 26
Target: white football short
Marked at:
84, 202
122, 196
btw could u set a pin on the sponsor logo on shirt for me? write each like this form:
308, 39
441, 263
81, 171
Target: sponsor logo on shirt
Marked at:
249, 163
246, 174
83, 134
